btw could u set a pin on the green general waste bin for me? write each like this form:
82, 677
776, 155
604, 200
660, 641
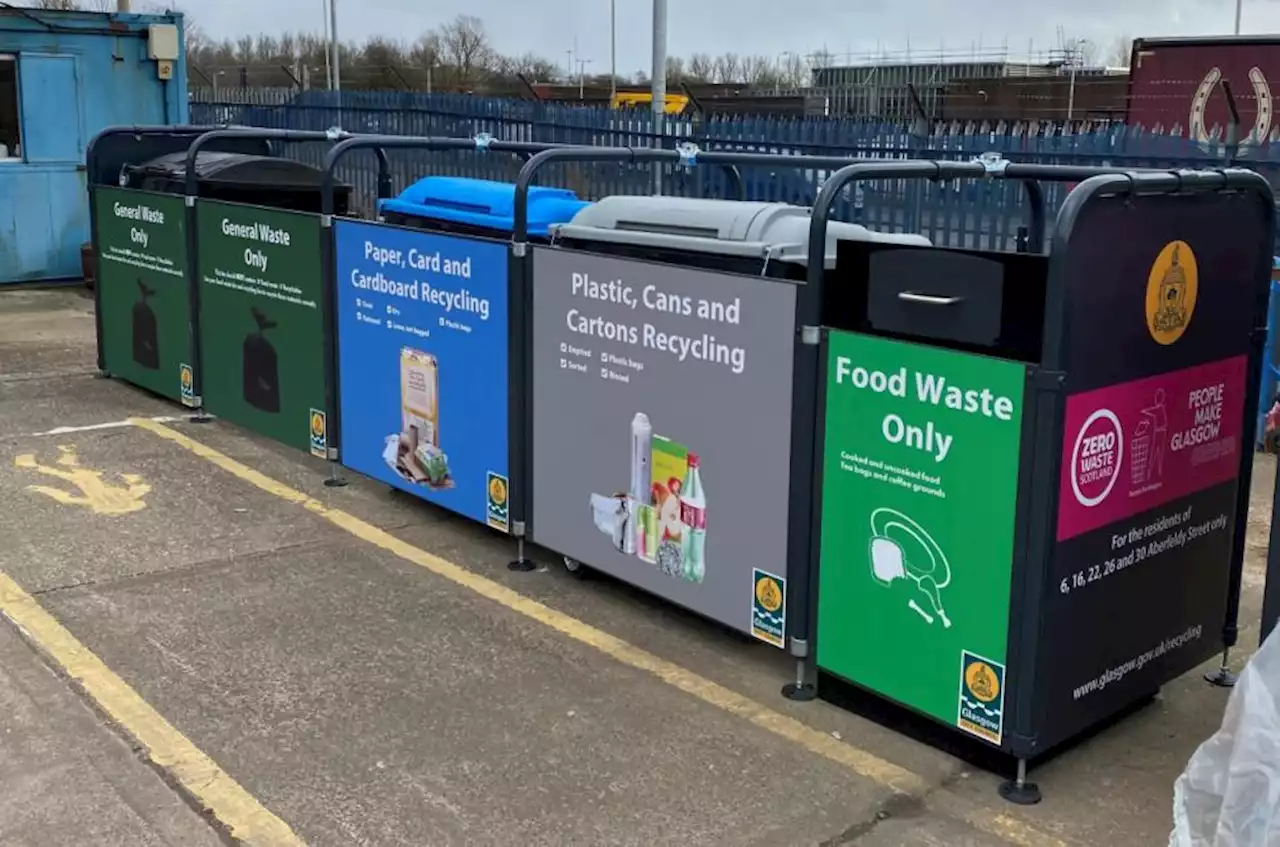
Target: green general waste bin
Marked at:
262, 297
663, 383
238, 178
1034, 469
145, 294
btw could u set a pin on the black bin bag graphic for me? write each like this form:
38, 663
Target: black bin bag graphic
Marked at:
146, 332
261, 368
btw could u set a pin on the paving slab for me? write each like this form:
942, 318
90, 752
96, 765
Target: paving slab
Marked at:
47, 331
365, 700
189, 513
66, 778
711, 650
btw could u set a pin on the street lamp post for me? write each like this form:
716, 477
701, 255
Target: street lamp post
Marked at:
333, 43
658, 83
613, 50
1071, 89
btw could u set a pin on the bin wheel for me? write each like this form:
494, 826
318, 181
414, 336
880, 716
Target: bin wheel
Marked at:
575, 567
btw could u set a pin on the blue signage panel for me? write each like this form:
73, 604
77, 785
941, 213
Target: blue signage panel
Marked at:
422, 364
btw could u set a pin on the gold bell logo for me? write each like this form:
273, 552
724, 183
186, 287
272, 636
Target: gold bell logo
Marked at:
1172, 287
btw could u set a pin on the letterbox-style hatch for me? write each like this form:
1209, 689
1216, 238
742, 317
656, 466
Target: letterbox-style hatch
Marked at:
477, 206
239, 178
753, 231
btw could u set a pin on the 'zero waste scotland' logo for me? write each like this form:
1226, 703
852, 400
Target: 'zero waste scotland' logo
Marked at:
1096, 458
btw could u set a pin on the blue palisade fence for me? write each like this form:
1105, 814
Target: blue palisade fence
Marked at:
972, 214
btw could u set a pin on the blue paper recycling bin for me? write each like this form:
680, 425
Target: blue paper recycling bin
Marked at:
477, 206
427, 311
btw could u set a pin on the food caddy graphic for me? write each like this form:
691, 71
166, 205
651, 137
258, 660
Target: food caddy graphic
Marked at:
146, 330
928, 569
261, 374
662, 518
414, 451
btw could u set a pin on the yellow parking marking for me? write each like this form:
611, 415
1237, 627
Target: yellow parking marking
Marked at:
244, 817
861, 762
90, 489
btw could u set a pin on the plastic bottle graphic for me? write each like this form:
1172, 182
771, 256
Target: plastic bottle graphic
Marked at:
693, 514
641, 441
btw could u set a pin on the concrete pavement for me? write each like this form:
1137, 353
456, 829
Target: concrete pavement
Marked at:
375, 675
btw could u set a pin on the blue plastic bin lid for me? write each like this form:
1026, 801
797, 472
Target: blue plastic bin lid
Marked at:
483, 203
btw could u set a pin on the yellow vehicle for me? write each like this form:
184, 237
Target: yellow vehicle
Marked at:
675, 103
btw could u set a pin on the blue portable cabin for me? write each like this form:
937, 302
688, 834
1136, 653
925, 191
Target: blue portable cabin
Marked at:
480, 207
64, 76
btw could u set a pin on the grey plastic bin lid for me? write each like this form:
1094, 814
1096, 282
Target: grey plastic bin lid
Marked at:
779, 231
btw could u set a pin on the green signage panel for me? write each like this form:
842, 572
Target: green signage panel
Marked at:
920, 482
262, 321
142, 289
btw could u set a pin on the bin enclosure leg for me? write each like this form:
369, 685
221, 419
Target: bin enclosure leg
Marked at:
201, 416
335, 479
520, 563
1222, 678
801, 690
1020, 791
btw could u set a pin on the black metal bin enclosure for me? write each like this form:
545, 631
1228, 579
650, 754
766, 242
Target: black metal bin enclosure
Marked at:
260, 302
152, 275
1031, 485
427, 336
668, 331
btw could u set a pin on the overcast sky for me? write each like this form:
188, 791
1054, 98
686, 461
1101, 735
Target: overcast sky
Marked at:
770, 27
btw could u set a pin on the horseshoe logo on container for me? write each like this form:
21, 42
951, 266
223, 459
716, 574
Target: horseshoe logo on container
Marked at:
1262, 121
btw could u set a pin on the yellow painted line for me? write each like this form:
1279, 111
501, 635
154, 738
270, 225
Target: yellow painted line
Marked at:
243, 816
861, 762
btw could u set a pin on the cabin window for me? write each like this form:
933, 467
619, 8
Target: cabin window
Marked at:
10, 130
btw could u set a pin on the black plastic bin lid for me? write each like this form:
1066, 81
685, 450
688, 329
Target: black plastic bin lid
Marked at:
240, 177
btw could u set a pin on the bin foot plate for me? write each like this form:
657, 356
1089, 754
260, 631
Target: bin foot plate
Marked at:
522, 565
1021, 794
1221, 678
335, 482
800, 692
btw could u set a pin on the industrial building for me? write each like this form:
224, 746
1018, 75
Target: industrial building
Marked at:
896, 89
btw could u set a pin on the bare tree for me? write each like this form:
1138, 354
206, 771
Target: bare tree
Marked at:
465, 46
759, 70
675, 70
71, 5
701, 68
728, 68
795, 71
1121, 52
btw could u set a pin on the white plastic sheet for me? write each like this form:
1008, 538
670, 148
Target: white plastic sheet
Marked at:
1229, 795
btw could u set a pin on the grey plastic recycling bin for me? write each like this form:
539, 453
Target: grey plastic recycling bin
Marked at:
670, 325
746, 237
